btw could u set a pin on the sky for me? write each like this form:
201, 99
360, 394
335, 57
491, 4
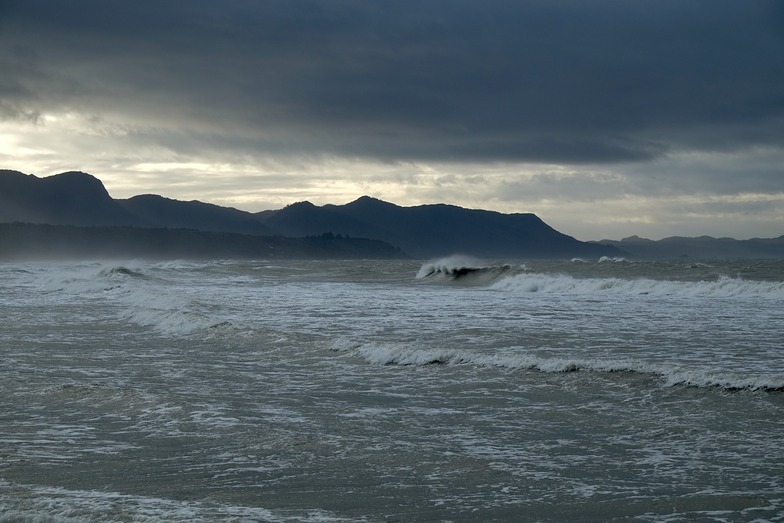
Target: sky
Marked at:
606, 118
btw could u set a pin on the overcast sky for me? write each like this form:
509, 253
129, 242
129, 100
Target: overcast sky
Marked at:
606, 118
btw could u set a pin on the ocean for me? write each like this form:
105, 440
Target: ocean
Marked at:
394, 391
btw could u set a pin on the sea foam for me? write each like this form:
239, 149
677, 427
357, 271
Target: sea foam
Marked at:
406, 354
722, 287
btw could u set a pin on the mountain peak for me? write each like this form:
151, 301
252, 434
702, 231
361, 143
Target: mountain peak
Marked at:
368, 202
366, 199
69, 198
77, 182
75, 174
304, 204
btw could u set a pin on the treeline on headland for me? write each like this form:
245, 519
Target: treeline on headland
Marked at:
25, 241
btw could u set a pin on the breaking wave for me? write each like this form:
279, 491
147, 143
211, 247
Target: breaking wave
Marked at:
143, 297
408, 355
465, 269
615, 259
722, 287
524, 278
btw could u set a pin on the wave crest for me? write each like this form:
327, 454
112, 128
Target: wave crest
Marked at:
139, 296
722, 287
463, 268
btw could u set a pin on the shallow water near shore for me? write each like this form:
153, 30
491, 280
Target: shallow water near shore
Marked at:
454, 390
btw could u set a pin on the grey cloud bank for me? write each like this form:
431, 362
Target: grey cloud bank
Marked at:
579, 103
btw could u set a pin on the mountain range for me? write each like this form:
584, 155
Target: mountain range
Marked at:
78, 200
700, 248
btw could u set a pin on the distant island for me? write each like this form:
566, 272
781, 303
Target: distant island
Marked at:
72, 215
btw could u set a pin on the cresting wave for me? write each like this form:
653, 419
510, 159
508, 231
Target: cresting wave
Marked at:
141, 296
464, 268
408, 355
521, 279
617, 259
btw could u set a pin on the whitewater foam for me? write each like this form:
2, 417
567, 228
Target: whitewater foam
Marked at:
723, 287
140, 297
406, 354
614, 259
615, 390
61, 505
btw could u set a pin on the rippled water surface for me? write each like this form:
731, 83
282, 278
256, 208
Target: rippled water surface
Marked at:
392, 391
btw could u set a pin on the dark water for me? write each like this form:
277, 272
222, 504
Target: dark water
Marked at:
392, 391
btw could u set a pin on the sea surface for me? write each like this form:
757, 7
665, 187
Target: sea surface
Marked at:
449, 390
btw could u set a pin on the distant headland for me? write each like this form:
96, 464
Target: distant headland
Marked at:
72, 215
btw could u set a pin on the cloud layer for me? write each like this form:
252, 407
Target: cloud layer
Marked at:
576, 101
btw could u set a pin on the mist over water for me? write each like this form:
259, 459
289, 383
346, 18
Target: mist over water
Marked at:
455, 389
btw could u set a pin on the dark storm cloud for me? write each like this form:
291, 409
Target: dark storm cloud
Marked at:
544, 81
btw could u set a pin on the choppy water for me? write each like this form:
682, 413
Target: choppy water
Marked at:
392, 391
